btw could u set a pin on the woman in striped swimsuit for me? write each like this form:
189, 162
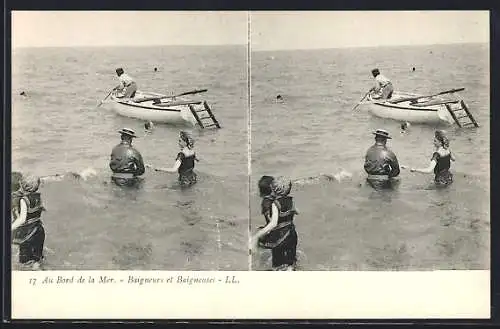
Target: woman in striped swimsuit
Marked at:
279, 233
27, 227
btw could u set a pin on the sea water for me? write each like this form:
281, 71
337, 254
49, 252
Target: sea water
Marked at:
343, 223
93, 224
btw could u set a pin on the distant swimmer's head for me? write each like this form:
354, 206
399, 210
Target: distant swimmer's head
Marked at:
381, 135
279, 97
185, 140
30, 183
127, 134
440, 139
23, 93
405, 126
119, 71
149, 125
156, 69
375, 72
281, 186
264, 185
16, 178
413, 69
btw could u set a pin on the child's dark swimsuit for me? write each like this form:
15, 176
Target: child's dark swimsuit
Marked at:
30, 236
187, 176
443, 176
282, 239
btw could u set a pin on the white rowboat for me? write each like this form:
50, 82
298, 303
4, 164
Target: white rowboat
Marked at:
155, 107
430, 110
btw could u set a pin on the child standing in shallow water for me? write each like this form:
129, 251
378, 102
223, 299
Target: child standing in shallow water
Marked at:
185, 161
279, 233
27, 227
440, 162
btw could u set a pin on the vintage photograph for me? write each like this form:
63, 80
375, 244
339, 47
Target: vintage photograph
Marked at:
187, 153
370, 141
129, 140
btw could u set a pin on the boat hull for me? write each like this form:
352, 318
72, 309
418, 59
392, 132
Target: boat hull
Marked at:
405, 112
147, 111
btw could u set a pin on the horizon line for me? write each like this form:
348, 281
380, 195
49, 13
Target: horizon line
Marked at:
130, 46
380, 46
253, 50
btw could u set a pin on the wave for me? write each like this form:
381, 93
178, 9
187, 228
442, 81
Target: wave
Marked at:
340, 176
85, 174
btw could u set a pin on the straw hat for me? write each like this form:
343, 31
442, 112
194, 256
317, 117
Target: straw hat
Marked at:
382, 133
127, 131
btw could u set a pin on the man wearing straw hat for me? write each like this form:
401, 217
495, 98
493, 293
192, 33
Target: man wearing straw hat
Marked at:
126, 162
381, 164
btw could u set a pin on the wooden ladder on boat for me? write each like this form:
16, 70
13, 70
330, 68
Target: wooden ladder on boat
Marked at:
460, 111
210, 115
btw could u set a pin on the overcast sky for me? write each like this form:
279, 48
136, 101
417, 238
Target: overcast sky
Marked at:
269, 30
115, 28
306, 30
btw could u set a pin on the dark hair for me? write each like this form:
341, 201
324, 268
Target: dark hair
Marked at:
265, 185
441, 137
186, 137
119, 71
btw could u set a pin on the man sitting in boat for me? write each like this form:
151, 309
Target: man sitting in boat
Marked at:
126, 162
383, 87
381, 164
127, 87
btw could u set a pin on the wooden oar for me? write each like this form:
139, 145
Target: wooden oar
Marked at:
178, 103
196, 91
405, 99
361, 100
164, 96
106, 97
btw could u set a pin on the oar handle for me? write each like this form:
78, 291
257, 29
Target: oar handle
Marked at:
451, 91
192, 92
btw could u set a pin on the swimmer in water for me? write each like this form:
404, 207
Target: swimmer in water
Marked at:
440, 162
126, 162
185, 161
381, 164
279, 233
27, 227
279, 98
404, 127
148, 127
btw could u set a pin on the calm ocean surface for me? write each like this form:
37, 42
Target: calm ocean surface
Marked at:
95, 225
345, 225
